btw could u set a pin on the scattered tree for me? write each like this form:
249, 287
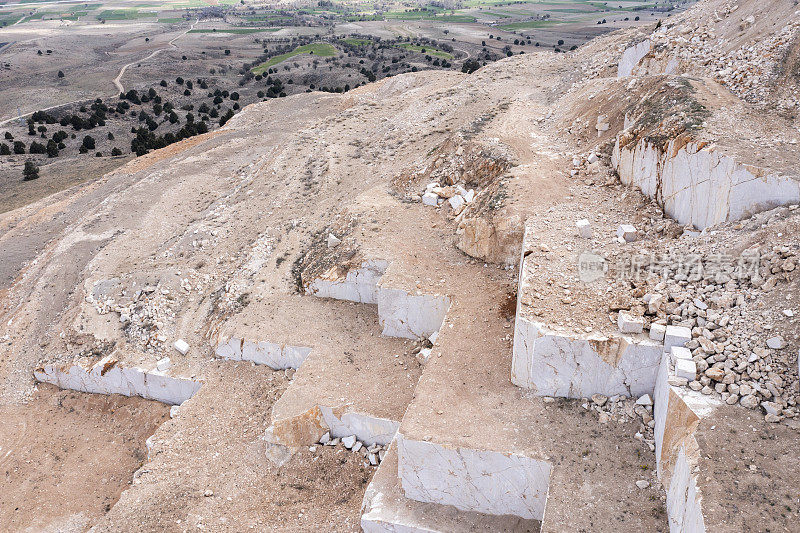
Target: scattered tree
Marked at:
30, 172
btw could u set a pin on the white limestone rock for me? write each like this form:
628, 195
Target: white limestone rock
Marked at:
657, 332
631, 57
676, 336
627, 233
630, 324
775, 343
430, 198
181, 346
645, 400
456, 202
680, 352
584, 228
686, 369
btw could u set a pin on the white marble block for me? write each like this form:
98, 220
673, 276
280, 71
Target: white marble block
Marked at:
491, 482
630, 324
108, 377
627, 233
584, 228
368, 429
686, 368
359, 284
698, 185
573, 366
410, 316
676, 336
273, 355
657, 332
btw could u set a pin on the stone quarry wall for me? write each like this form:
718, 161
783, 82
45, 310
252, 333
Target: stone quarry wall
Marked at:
677, 414
631, 57
553, 364
497, 483
107, 377
697, 185
276, 356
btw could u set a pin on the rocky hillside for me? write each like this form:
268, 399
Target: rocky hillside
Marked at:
686, 130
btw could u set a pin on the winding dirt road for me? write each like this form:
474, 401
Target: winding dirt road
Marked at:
117, 81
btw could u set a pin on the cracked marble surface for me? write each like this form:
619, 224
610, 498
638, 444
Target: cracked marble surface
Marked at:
108, 377
273, 355
473, 480
701, 186
410, 316
553, 364
359, 285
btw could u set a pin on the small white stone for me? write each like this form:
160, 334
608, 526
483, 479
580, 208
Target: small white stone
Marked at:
333, 240
373, 459
584, 228
676, 336
181, 346
173, 411
349, 441
680, 352
644, 400
642, 484
657, 332
775, 343
430, 198
456, 202
630, 324
627, 233
357, 446
163, 364
325, 438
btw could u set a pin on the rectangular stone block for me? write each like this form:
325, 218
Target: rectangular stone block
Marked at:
554, 364
657, 332
473, 480
676, 336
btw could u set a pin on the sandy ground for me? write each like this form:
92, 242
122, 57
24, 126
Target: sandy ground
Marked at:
208, 469
65, 457
749, 471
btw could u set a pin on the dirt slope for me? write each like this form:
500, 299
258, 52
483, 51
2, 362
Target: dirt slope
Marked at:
177, 242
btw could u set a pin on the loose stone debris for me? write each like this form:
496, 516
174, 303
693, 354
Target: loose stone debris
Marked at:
605, 294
